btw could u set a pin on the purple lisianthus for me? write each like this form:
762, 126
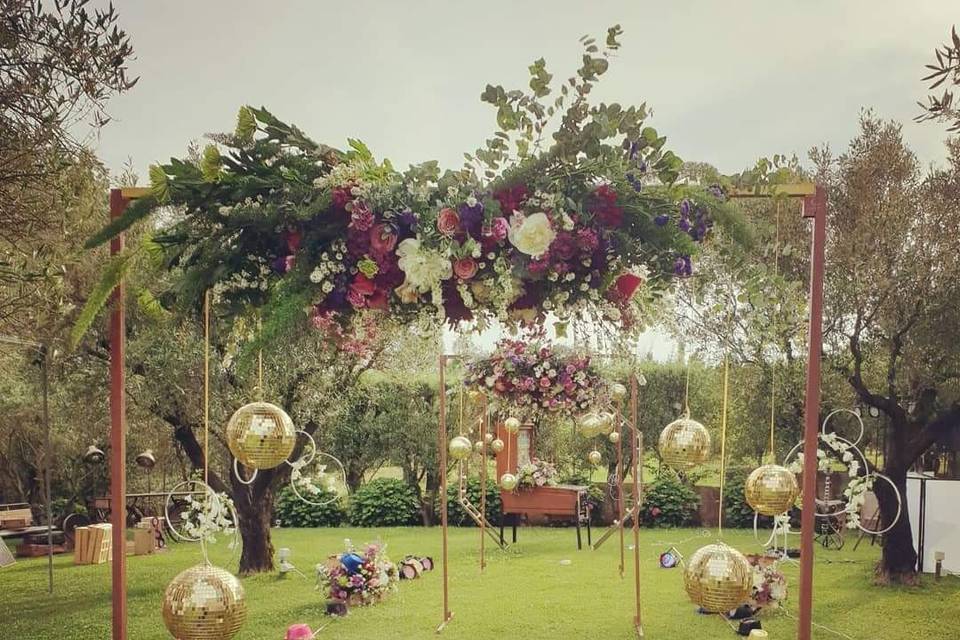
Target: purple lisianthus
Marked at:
661, 220
471, 217
684, 207
407, 219
683, 266
684, 224
634, 182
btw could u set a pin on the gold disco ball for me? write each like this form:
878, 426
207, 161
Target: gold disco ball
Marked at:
591, 424
614, 437
512, 425
684, 443
618, 392
488, 438
460, 447
509, 482
497, 445
595, 458
204, 603
608, 420
479, 446
718, 578
261, 435
771, 490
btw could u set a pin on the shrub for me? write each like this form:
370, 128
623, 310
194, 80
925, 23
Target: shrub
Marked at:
669, 502
385, 502
291, 511
456, 515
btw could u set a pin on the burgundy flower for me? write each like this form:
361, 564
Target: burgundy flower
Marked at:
511, 199
564, 246
588, 240
383, 238
341, 196
293, 238
361, 218
465, 268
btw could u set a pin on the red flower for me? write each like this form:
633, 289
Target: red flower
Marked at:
655, 511
627, 285
293, 238
363, 285
341, 196
604, 206
378, 300
448, 221
465, 268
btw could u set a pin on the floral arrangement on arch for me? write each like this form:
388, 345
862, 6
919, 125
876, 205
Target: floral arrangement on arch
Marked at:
532, 378
835, 449
358, 578
570, 208
537, 473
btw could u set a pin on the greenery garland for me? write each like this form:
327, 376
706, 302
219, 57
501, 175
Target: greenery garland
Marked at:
570, 208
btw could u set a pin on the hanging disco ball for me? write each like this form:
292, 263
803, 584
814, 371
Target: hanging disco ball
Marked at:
497, 445
479, 446
595, 458
591, 424
460, 447
718, 578
618, 392
260, 435
771, 490
684, 443
608, 421
614, 437
512, 425
509, 482
204, 603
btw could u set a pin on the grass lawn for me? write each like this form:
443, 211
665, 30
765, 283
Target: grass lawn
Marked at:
525, 593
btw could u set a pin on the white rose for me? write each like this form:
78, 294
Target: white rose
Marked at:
424, 268
531, 234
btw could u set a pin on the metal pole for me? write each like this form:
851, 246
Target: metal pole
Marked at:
815, 207
442, 444
620, 485
483, 479
636, 440
118, 444
45, 385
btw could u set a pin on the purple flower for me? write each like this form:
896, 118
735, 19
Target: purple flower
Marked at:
684, 207
716, 191
407, 219
661, 220
634, 182
682, 266
684, 225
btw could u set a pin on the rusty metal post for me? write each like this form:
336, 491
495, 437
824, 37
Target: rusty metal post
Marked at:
636, 445
813, 207
118, 443
442, 444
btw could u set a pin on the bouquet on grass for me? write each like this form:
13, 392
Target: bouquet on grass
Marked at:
358, 578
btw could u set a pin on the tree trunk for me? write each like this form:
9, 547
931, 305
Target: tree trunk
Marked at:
428, 515
898, 562
255, 509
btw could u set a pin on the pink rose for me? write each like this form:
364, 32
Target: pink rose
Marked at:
465, 268
544, 381
448, 221
500, 228
383, 239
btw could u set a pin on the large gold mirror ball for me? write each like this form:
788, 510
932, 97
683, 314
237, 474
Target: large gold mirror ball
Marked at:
684, 443
261, 435
204, 603
718, 578
771, 490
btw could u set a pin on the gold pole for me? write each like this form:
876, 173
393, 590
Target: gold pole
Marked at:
442, 443
483, 478
206, 387
620, 485
636, 444
723, 440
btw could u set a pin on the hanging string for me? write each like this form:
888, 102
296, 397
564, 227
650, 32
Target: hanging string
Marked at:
723, 438
206, 387
259, 360
686, 392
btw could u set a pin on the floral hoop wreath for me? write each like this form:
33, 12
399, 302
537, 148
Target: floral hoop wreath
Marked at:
307, 482
851, 455
215, 514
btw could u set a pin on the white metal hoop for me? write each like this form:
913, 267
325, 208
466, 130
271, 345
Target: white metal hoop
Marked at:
896, 518
823, 428
343, 475
851, 447
313, 453
236, 472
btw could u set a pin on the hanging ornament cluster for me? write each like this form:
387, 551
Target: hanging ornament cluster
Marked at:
460, 447
771, 490
261, 435
718, 578
684, 443
204, 603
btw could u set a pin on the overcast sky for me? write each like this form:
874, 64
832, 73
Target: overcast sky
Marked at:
728, 81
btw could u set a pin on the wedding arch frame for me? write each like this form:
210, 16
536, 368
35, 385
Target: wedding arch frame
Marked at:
814, 204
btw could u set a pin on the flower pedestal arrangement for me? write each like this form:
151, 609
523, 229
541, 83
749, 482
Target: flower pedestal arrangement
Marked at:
357, 578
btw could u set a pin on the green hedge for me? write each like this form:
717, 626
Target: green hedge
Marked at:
457, 517
669, 502
385, 502
291, 511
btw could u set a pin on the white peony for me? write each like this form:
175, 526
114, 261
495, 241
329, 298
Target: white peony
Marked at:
424, 268
531, 234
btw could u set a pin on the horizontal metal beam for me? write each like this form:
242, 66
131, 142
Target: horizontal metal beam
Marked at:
793, 190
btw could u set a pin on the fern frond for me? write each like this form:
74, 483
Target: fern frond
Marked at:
117, 268
136, 211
